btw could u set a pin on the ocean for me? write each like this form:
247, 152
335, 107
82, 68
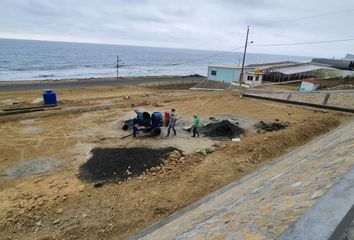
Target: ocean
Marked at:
42, 60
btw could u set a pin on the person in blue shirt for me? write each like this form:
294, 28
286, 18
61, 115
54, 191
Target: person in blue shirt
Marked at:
172, 122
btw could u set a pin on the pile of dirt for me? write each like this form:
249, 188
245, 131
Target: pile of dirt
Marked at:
221, 129
263, 127
120, 164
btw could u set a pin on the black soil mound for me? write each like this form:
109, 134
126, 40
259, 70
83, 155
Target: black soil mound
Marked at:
119, 164
271, 126
221, 129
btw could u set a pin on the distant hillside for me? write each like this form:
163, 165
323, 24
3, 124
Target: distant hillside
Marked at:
349, 56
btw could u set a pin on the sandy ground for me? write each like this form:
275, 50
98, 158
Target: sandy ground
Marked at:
41, 153
6, 86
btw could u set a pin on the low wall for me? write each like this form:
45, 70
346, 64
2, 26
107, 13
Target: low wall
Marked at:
341, 99
345, 100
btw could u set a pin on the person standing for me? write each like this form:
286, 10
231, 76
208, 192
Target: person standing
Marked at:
172, 122
195, 125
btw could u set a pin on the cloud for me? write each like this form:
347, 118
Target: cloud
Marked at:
198, 24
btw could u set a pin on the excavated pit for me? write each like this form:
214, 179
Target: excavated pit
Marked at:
120, 164
222, 129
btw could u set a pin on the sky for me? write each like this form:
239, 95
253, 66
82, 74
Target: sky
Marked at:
191, 24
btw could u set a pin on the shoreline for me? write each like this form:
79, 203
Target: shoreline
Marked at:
89, 82
5, 82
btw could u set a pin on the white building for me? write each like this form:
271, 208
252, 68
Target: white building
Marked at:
275, 72
309, 85
251, 75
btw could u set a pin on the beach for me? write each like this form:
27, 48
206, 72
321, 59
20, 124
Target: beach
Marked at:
89, 82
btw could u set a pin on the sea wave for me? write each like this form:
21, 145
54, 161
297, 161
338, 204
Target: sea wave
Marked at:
45, 76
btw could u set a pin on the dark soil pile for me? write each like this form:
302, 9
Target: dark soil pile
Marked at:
221, 129
271, 126
119, 164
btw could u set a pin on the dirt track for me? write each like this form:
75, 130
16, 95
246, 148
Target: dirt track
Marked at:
59, 205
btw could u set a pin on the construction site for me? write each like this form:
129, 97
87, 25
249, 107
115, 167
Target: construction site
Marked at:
74, 170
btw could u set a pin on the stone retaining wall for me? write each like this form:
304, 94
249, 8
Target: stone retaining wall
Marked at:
345, 100
314, 98
342, 99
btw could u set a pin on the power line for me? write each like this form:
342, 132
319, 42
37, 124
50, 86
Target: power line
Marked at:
307, 17
302, 43
251, 45
290, 20
281, 44
269, 45
202, 59
258, 45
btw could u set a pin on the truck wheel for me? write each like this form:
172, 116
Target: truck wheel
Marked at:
156, 132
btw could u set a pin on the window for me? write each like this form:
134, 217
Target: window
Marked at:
213, 73
257, 78
250, 78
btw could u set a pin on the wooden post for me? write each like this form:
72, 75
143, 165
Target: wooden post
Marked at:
117, 70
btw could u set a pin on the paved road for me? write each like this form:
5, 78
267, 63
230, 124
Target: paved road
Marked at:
262, 205
90, 83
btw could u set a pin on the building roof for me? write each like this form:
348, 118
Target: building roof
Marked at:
262, 65
254, 73
336, 63
274, 64
286, 67
312, 81
300, 68
231, 67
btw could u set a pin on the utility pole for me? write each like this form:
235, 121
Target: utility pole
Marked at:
243, 61
118, 60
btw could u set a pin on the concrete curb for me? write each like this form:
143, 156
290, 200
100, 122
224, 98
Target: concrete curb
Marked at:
212, 195
329, 217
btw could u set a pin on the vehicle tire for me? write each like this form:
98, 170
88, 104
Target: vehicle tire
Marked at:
156, 131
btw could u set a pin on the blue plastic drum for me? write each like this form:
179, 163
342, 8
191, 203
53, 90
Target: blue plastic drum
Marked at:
49, 97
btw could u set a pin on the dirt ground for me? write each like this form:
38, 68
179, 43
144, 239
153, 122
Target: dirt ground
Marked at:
41, 153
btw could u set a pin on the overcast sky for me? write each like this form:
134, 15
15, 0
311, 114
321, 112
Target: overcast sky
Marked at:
195, 24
